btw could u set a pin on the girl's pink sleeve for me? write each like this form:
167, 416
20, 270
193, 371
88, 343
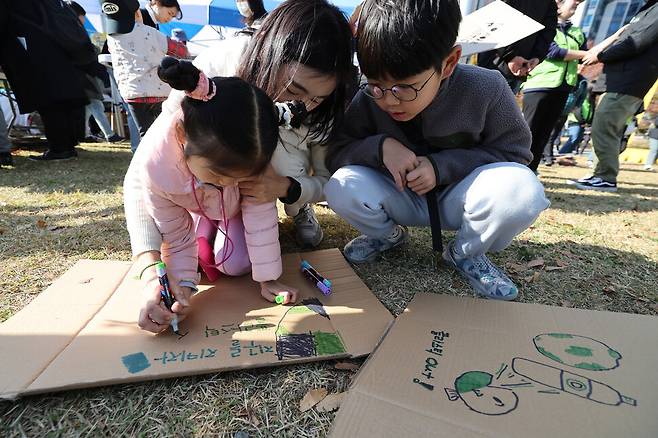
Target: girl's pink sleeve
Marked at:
179, 247
261, 228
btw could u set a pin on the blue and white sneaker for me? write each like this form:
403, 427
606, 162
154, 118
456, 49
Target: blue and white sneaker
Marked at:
365, 249
485, 277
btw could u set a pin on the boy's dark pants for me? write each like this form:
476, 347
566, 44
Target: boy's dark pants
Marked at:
541, 110
64, 126
145, 114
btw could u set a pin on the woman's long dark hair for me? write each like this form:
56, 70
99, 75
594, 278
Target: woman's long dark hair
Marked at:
315, 34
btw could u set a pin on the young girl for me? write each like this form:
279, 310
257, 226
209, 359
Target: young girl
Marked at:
190, 163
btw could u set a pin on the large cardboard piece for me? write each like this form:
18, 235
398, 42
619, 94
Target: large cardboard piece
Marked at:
493, 26
463, 367
82, 331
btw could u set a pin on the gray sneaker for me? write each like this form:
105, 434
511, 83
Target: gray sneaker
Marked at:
307, 228
485, 277
366, 249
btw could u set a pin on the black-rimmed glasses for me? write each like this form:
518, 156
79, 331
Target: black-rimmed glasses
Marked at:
403, 92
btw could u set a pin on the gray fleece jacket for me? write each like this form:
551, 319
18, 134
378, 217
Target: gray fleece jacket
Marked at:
473, 120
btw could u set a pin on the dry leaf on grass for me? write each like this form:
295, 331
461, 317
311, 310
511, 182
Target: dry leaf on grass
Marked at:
561, 263
554, 268
346, 366
41, 224
330, 402
534, 278
515, 267
536, 263
251, 416
611, 290
312, 398
2, 231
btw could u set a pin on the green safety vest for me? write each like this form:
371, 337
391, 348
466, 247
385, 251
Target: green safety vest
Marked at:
551, 73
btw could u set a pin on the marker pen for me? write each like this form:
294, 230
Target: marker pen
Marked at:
165, 293
281, 297
320, 282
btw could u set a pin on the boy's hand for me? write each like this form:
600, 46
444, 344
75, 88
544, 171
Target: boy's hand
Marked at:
399, 160
423, 178
154, 315
270, 289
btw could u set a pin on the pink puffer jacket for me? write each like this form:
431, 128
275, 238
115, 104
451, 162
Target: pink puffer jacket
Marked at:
168, 195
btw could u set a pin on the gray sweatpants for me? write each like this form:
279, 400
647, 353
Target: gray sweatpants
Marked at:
488, 208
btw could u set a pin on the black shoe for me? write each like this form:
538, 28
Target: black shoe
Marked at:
115, 138
6, 159
51, 156
93, 139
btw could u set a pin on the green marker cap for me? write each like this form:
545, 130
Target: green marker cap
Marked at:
279, 299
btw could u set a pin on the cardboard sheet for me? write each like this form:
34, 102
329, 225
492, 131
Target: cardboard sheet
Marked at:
465, 367
82, 330
493, 26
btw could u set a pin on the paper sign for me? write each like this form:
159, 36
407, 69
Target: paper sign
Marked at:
82, 331
465, 367
493, 26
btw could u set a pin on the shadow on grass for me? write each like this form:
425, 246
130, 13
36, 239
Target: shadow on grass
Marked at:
594, 277
93, 171
570, 199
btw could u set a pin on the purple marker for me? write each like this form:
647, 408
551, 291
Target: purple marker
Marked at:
320, 282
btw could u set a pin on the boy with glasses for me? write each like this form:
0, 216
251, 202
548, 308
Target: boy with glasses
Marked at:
429, 142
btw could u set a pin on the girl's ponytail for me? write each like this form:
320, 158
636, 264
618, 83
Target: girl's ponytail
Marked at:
183, 75
291, 114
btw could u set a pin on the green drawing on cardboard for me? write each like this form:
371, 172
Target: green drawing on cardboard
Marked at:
328, 343
496, 394
549, 354
299, 309
474, 388
577, 351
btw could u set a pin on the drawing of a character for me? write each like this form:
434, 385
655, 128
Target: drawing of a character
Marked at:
475, 390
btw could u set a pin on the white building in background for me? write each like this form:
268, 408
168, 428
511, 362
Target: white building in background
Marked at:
602, 18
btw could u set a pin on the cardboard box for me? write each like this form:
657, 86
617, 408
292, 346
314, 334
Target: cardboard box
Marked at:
82, 331
463, 367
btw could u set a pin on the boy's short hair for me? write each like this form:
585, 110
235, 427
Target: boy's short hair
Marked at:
401, 38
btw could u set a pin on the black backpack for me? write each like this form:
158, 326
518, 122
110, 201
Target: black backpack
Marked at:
57, 20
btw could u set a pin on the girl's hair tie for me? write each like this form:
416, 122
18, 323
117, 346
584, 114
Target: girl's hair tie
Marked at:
291, 114
205, 89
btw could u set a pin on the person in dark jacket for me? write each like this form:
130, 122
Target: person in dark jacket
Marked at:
42, 74
517, 60
630, 68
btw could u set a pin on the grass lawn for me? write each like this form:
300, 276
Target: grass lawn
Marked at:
600, 251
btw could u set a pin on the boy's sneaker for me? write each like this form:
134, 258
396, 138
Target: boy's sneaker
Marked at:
485, 277
366, 249
52, 156
596, 183
585, 179
307, 228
